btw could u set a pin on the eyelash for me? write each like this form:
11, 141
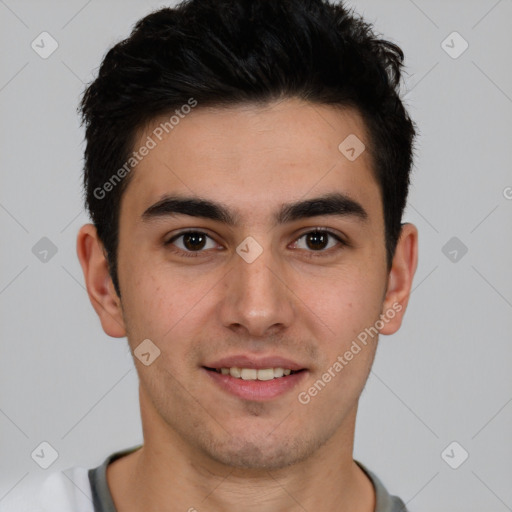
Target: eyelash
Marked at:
311, 253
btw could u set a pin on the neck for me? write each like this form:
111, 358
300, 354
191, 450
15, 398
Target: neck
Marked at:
168, 475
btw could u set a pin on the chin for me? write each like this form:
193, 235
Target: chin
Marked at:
253, 456
260, 450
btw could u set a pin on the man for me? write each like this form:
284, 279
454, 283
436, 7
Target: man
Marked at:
246, 170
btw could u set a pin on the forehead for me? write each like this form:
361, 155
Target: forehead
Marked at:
254, 156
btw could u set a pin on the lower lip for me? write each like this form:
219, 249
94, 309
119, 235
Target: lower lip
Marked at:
256, 390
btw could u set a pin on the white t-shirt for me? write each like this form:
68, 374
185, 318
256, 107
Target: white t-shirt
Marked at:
63, 491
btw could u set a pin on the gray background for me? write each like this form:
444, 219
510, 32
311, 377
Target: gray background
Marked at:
444, 377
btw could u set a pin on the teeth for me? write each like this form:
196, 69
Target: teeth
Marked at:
278, 372
249, 374
267, 374
253, 374
235, 372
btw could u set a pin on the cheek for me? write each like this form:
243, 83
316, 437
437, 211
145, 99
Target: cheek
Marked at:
348, 300
350, 306
162, 305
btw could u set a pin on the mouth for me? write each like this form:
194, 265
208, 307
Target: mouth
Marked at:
262, 374
255, 380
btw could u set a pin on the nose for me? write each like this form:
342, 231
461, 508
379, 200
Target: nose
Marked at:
256, 298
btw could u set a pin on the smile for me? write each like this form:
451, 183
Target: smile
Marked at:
253, 373
255, 384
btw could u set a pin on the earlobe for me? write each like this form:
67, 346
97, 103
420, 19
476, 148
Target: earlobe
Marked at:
100, 288
400, 279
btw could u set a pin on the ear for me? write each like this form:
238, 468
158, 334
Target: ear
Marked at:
400, 279
100, 287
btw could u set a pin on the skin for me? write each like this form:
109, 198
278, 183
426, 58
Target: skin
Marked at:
205, 448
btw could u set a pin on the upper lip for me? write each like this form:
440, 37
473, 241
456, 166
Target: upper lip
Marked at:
244, 361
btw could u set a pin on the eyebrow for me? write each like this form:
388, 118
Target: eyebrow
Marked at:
334, 204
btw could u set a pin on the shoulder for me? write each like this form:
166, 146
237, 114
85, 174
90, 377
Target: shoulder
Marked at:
75, 489
60, 491
385, 502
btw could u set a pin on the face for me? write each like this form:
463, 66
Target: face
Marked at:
259, 278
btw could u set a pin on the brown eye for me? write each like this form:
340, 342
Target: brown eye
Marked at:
318, 241
192, 242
